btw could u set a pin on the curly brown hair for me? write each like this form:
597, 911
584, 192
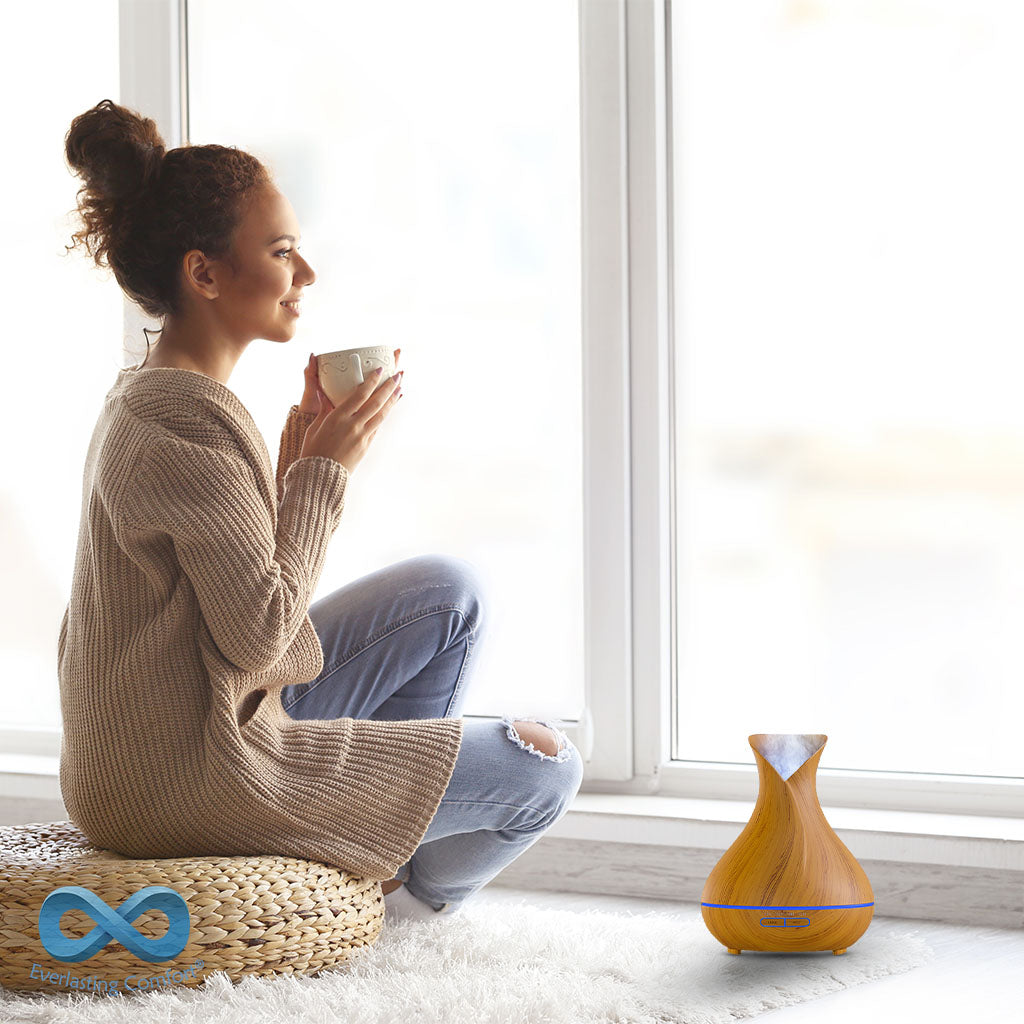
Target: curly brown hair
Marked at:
142, 208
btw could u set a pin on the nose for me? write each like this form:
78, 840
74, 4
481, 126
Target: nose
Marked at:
309, 275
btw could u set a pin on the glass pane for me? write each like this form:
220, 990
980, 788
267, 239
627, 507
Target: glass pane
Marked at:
431, 153
850, 431
63, 328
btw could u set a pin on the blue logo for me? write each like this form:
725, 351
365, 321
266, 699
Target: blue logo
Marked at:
114, 923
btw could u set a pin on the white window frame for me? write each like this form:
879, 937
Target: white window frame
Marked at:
154, 80
628, 530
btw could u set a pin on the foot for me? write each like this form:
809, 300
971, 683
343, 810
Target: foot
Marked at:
401, 905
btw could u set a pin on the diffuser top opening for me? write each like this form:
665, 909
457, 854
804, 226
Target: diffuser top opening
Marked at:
787, 751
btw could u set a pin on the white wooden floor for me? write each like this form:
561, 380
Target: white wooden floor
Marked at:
977, 975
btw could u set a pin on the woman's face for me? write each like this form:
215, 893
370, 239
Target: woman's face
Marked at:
268, 271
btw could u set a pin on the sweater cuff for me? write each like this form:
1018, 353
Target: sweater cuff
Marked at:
313, 500
294, 433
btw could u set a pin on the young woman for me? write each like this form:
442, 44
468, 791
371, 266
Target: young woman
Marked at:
208, 708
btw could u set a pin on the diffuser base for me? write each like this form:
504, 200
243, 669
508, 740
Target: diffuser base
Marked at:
835, 952
787, 930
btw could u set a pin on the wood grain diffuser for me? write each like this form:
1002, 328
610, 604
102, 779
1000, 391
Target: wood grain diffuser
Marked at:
787, 883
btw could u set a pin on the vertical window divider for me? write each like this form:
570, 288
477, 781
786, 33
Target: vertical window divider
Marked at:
651, 426
154, 81
626, 563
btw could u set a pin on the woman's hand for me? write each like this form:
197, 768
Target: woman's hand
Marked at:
309, 401
344, 432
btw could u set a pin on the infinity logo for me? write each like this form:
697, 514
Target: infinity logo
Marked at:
114, 923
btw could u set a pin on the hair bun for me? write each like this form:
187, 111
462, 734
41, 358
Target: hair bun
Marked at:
115, 150
138, 219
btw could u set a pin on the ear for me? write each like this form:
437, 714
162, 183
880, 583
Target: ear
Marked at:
200, 273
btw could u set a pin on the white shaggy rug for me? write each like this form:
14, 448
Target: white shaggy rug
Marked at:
513, 962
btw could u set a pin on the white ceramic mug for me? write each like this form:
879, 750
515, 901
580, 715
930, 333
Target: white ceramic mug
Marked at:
347, 368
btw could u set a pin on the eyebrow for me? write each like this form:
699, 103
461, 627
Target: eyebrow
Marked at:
291, 238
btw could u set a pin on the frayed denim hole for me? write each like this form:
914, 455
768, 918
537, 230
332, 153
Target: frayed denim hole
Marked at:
563, 754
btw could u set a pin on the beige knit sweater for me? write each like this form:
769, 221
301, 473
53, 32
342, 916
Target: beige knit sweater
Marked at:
188, 613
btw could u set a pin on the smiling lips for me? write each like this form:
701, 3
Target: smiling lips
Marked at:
292, 307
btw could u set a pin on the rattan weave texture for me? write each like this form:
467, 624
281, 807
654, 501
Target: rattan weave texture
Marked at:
247, 915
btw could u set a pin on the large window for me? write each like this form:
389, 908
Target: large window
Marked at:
797, 328
850, 433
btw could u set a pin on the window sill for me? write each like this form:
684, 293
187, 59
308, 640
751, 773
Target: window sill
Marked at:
956, 840
879, 835
30, 775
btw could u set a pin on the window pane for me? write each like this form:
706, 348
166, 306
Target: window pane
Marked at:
847, 210
63, 329
431, 154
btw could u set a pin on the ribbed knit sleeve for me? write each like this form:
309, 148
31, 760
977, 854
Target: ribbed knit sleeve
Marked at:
253, 584
292, 436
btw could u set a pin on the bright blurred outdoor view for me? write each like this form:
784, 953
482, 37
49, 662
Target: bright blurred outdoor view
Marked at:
431, 153
849, 340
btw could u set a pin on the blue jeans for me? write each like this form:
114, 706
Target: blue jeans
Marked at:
398, 645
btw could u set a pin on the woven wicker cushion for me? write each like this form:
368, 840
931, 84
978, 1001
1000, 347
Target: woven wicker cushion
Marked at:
243, 915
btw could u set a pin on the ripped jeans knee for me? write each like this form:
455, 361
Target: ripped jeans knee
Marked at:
565, 749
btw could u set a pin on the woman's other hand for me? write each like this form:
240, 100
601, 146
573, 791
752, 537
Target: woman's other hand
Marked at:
309, 401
